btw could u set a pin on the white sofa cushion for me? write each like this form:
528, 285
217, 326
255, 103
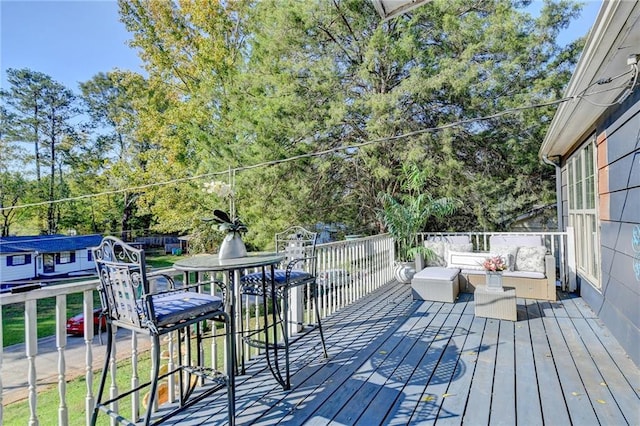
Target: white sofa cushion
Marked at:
466, 260
437, 273
441, 245
531, 259
459, 247
515, 274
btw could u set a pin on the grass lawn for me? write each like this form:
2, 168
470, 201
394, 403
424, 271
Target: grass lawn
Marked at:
76, 392
13, 315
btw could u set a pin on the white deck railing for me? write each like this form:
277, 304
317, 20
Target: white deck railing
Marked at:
347, 270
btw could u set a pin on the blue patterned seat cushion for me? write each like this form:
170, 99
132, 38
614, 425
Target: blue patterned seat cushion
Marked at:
171, 308
279, 275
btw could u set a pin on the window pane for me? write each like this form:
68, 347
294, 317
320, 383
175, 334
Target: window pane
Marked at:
589, 172
580, 245
572, 185
594, 244
590, 195
588, 159
579, 177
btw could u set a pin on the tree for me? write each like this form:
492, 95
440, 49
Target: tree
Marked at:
59, 107
39, 112
12, 189
25, 100
192, 53
407, 215
238, 84
110, 100
331, 75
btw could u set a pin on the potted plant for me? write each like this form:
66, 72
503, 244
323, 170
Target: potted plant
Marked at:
407, 214
232, 245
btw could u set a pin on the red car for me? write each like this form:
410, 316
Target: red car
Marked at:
75, 324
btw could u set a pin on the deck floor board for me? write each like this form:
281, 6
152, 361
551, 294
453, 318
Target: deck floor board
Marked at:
395, 361
453, 407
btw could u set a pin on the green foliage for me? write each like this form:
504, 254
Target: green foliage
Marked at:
38, 110
13, 188
407, 214
237, 84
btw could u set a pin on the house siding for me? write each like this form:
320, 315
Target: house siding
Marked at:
617, 302
16, 272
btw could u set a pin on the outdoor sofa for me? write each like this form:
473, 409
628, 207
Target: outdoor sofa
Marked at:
456, 267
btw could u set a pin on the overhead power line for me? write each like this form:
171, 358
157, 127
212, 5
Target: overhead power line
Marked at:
139, 188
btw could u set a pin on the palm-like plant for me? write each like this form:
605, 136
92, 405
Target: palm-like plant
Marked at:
406, 215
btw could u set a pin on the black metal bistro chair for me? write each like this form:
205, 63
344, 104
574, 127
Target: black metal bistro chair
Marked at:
128, 302
298, 268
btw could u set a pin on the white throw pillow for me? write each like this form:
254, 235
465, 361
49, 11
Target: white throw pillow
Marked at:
531, 259
508, 254
466, 260
462, 248
466, 247
437, 247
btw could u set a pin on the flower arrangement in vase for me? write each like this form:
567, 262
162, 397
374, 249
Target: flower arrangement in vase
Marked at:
494, 265
232, 245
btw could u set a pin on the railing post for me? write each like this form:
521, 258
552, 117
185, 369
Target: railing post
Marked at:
61, 344
571, 259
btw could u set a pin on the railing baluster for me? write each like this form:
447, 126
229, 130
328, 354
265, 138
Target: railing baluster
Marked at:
31, 336
135, 377
61, 344
113, 388
87, 309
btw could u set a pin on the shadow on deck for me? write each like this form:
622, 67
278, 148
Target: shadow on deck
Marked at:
393, 360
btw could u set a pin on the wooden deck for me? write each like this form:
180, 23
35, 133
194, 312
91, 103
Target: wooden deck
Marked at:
396, 361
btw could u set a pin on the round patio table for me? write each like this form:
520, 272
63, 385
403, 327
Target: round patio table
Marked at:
233, 267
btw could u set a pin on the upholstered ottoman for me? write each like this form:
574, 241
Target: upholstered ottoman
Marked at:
436, 283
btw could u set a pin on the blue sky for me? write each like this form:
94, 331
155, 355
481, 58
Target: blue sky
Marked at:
73, 40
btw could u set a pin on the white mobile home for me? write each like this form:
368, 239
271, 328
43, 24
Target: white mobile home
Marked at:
45, 256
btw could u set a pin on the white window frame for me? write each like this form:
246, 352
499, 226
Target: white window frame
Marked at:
65, 257
19, 260
582, 180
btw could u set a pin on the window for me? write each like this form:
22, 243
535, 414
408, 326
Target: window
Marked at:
19, 259
66, 257
582, 211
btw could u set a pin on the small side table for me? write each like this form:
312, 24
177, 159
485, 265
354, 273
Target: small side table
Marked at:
493, 304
